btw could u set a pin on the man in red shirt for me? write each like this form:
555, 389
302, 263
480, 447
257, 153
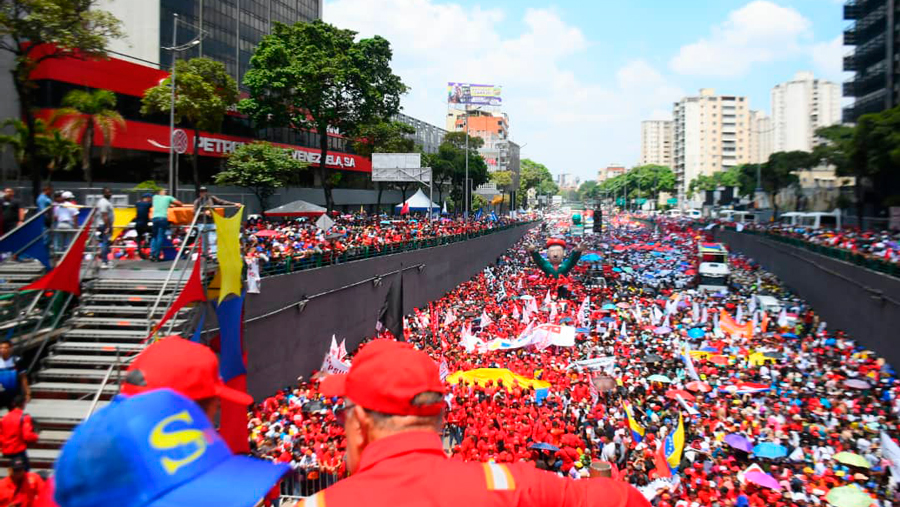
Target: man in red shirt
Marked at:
17, 431
21, 487
393, 398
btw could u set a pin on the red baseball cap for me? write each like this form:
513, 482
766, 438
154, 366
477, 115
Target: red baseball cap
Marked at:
556, 241
385, 376
188, 368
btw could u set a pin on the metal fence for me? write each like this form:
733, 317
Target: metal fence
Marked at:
300, 483
865, 261
317, 260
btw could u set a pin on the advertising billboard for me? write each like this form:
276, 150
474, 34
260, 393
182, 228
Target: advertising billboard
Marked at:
468, 94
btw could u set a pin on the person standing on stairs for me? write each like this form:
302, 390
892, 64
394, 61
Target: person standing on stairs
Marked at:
17, 432
12, 376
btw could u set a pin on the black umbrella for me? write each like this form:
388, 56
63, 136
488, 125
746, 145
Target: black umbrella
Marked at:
652, 358
313, 406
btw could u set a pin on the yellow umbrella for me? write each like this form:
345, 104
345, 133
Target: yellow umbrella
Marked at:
848, 458
848, 496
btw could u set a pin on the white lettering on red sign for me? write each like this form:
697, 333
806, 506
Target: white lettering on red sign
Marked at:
225, 146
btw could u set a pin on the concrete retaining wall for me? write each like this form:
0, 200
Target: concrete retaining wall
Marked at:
289, 343
864, 303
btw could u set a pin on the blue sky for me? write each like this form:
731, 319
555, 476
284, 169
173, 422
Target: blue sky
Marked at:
579, 76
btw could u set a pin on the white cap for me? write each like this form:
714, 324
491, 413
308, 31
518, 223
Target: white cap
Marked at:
68, 195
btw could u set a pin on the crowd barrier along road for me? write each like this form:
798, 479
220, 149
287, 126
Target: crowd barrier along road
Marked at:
859, 301
296, 263
289, 324
865, 261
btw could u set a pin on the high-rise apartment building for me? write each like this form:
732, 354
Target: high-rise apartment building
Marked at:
232, 28
874, 35
799, 107
712, 133
657, 139
760, 137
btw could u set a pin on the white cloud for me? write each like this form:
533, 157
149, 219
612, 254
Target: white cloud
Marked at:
828, 58
552, 107
758, 32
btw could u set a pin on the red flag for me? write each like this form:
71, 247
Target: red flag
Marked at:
405, 209
662, 465
66, 276
192, 292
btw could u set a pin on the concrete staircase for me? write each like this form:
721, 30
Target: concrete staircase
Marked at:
107, 329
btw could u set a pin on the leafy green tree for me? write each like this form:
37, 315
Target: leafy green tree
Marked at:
261, 168
504, 182
779, 172
588, 190
35, 31
449, 165
62, 153
84, 113
316, 76
876, 158
203, 93
53, 150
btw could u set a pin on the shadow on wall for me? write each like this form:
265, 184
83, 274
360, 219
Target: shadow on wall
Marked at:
293, 342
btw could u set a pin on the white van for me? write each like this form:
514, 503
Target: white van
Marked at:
673, 213
768, 303
693, 213
819, 220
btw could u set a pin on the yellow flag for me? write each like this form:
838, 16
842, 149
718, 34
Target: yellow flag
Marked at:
212, 290
228, 233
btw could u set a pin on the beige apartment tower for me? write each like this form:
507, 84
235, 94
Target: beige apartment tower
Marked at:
657, 140
712, 133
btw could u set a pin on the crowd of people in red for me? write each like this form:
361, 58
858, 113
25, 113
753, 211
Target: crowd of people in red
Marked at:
271, 241
776, 409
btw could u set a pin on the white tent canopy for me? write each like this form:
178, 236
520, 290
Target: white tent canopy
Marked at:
419, 203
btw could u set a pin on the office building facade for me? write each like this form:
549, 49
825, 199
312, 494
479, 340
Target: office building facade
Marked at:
712, 133
874, 37
428, 136
800, 107
657, 140
232, 28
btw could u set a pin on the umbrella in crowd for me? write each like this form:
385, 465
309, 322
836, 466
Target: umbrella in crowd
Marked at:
848, 496
762, 479
738, 442
769, 450
543, 446
659, 378
699, 386
849, 458
857, 384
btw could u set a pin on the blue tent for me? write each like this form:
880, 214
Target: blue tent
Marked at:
418, 203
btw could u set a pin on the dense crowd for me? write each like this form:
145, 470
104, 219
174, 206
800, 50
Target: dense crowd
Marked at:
300, 238
777, 408
883, 245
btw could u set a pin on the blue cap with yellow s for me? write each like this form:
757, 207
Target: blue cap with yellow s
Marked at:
157, 449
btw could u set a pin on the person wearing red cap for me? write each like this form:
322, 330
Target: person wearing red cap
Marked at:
188, 368
557, 263
392, 417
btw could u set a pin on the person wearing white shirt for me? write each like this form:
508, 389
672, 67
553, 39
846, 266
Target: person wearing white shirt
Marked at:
65, 218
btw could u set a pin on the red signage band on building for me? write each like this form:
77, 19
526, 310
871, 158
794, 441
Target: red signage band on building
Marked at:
152, 137
128, 78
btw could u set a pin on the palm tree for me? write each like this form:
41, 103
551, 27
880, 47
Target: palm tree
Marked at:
60, 152
85, 112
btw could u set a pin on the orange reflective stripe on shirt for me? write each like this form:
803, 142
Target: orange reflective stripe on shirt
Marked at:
498, 477
317, 500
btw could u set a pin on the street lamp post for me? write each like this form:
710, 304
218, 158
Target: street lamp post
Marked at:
467, 94
175, 49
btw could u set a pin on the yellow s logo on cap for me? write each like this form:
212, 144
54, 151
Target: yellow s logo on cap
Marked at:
162, 440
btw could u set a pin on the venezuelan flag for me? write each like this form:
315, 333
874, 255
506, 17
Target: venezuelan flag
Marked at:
674, 445
637, 431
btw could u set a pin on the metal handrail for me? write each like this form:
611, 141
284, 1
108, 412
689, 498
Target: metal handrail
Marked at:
162, 290
102, 385
40, 293
25, 223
